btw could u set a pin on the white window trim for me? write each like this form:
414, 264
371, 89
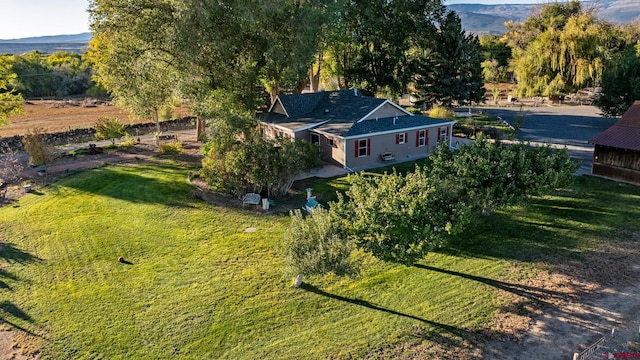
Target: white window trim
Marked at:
366, 147
443, 134
422, 138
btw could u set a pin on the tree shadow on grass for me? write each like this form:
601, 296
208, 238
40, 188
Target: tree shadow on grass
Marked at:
10, 310
136, 184
12, 254
551, 228
530, 292
439, 326
6, 275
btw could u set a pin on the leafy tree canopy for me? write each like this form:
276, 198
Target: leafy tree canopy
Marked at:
561, 49
10, 103
241, 47
314, 245
621, 83
492, 175
399, 218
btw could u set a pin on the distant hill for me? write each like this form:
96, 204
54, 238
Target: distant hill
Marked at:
490, 19
77, 38
46, 44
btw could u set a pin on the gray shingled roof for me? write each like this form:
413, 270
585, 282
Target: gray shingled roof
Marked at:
365, 127
625, 133
388, 124
343, 108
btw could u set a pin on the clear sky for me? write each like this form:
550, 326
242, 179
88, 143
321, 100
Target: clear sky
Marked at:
26, 18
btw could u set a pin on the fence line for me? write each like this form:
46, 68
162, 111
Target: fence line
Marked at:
586, 353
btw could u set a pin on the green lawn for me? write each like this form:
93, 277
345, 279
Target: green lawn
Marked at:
200, 287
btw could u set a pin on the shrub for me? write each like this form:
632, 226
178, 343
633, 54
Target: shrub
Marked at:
97, 91
128, 142
10, 166
256, 164
441, 112
313, 245
111, 129
165, 113
174, 147
36, 146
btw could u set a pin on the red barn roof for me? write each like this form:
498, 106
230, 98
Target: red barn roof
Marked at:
625, 133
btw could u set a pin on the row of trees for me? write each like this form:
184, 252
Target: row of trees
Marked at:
60, 74
145, 51
563, 48
401, 217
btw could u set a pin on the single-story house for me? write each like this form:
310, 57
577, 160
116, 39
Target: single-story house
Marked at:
617, 150
355, 131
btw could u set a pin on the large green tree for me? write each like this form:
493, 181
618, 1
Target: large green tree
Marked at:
450, 70
399, 218
245, 48
379, 37
492, 175
620, 83
132, 53
561, 49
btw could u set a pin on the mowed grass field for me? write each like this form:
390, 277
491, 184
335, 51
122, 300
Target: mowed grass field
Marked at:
198, 286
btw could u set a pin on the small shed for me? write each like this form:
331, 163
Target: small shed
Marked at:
617, 150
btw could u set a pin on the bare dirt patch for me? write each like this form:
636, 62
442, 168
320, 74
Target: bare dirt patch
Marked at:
62, 115
562, 310
586, 300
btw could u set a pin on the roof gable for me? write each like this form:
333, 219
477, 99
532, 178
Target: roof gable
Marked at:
386, 109
278, 108
625, 133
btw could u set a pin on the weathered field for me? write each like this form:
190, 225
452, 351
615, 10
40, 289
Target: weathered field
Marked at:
56, 115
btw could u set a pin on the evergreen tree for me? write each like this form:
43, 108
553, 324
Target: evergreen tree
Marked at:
449, 72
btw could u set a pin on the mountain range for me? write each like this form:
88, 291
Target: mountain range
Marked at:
58, 39
490, 19
476, 19
47, 44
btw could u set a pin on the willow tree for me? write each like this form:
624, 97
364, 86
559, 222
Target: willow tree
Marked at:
560, 50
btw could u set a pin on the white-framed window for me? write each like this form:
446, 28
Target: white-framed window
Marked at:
330, 142
362, 148
444, 133
401, 138
422, 138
